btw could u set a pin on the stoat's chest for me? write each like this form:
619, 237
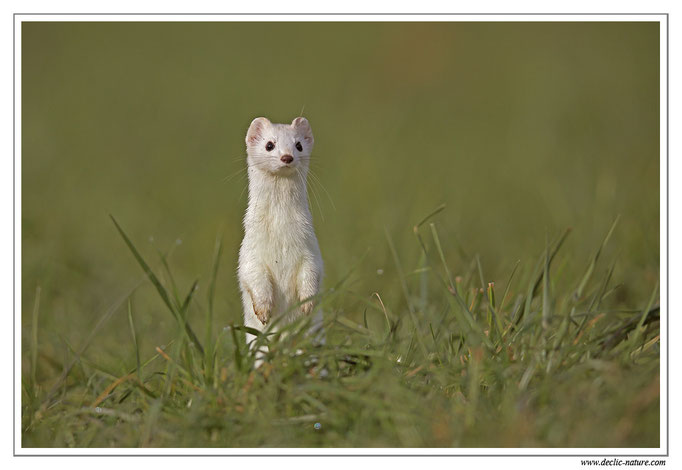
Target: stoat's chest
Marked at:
278, 233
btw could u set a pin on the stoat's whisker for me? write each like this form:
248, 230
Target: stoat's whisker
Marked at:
316, 180
314, 193
240, 172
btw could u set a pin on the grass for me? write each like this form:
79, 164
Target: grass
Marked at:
544, 360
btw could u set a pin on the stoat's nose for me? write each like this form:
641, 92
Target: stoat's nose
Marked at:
287, 159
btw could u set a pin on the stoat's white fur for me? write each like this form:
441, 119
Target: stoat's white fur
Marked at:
280, 264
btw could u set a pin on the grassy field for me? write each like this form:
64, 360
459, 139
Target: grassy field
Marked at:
486, 198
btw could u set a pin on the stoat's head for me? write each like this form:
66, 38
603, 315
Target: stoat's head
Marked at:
281, 149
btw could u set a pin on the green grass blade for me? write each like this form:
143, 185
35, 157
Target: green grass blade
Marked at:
159, 287
401, 275
431, 214
237, 350
593, 263
468, 322
546, 302
506, 289
171, 278
406, 293
151, 359
595, 299
217, 252
480, 271
134, 334
145, 267
209, 356
246, 329
188, 299
187, 353
353, 326
639, 329
555, 250
439, 248
495, 320
538, 275
34, 339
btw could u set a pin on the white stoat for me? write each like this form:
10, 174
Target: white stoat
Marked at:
280, 264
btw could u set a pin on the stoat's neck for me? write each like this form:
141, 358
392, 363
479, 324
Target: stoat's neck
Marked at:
271, 195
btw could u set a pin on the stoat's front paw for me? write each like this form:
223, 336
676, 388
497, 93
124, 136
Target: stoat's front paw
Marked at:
262, 311
307, 307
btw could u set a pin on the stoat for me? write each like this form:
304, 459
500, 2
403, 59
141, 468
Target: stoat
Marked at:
280, 264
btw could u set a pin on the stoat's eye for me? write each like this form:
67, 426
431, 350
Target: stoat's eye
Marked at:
299, 147
269, 146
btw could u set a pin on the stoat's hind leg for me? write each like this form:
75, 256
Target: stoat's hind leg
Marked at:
252, 321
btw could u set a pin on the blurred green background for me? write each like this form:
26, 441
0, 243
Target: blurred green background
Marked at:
521, 129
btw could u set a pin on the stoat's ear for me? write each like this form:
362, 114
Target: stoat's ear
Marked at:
302, 125
255, 132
